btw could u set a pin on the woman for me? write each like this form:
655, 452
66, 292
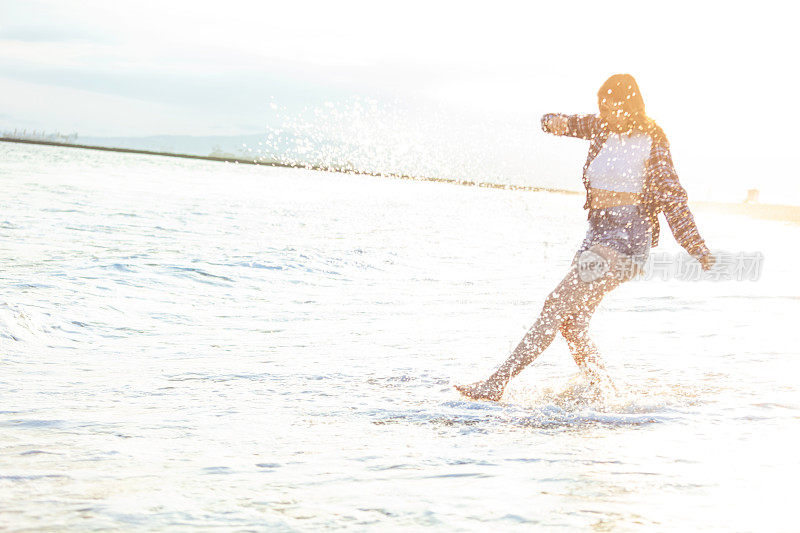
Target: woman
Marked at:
629, 179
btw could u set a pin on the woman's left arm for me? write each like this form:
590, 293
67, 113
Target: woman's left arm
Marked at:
672, 198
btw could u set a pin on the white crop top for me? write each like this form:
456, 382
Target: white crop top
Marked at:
620, 165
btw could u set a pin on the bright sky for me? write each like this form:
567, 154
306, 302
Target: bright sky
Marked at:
720, 77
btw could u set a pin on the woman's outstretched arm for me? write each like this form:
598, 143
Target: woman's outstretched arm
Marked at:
673, 200
580, 126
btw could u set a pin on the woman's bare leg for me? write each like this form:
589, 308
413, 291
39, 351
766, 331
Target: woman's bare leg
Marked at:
570, 299
575, 330
585, 353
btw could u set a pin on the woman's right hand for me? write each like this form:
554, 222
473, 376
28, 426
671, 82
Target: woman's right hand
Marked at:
707, 261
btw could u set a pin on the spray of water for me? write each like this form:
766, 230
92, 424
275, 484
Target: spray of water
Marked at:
401, 139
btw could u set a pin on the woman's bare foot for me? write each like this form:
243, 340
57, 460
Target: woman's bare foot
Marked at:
481, 390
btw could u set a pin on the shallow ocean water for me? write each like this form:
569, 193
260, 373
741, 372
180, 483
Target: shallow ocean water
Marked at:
196, 345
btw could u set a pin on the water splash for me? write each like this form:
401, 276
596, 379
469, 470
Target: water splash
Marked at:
408, 139
574, 401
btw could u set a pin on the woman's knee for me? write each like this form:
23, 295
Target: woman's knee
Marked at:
574, 331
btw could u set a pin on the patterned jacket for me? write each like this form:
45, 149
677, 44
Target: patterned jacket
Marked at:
662, 190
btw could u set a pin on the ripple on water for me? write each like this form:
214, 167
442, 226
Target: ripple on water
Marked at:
284, 352
571, 405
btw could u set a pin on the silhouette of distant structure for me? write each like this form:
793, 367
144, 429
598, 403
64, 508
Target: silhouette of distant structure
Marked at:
752, 196
34, 135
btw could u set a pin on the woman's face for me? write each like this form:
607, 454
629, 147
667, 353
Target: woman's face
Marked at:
613, 113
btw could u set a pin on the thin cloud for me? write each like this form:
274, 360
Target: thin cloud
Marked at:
53, 34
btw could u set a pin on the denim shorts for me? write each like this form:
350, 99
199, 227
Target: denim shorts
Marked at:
623, 228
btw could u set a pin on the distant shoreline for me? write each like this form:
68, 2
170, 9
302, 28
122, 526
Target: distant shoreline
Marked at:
781, 212
286, 165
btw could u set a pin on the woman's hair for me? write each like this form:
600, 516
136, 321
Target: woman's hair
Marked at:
624, 89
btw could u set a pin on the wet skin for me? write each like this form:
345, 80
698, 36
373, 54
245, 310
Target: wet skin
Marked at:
567, 310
